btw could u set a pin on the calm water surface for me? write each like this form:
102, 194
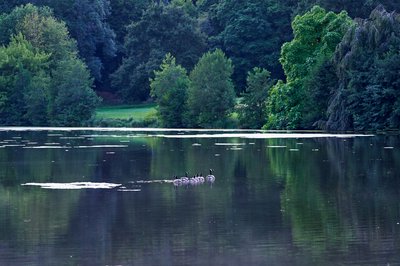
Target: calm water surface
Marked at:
276, 201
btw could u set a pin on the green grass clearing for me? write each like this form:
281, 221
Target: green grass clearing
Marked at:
136, 112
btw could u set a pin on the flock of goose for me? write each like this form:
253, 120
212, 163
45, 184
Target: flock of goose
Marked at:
193, 181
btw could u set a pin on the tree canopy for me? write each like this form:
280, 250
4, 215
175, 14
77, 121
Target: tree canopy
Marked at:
251, 34
37, 89
211, 92
252, 112
149, 40
367, 70
316, 34
169, 87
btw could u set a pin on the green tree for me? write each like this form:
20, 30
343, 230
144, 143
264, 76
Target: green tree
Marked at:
162, 29
123, 13
356, 9
75, 101
247, 32
211, 96
169, 87
366, 95
47, 35
252, 113
316, 35
87, 23
24, 83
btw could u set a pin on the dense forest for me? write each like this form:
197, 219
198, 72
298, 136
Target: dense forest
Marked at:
304, 64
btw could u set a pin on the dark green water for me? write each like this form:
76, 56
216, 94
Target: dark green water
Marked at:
304, 201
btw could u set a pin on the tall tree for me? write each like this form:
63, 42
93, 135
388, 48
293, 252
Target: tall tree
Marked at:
252, 113
161, 30
169, 87
124, 13
355, 9
316, 35
24, 83
367, 95
87, 23
45, 34
247, 32
211, 93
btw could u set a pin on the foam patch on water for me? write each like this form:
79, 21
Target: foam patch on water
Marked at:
129, 190
101, 146
276, 147
74, 185
266, 135
229, 144
46, 147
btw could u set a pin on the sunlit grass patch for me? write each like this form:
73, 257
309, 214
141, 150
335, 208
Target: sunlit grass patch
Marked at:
135, 112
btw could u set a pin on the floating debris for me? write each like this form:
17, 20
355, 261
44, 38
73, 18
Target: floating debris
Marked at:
129, 190
46, 147
388, 148
74, 185
276, 146
151, 181
315, 150
14, 145
196, 144
229, 144
102, 146
294, 150
54, 135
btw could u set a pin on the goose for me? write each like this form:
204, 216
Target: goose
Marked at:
201, 178
185, 179
193, 181
210, 178
177, 181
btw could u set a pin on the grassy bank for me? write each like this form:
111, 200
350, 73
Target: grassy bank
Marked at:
140, 115
136, 112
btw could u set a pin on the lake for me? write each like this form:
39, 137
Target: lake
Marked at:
278, 199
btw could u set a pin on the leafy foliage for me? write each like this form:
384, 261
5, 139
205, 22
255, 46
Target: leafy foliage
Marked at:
253, 109
211, 92
367, 94
86, 20
169, 87
251, 33
316, 34
356, 9
149, 40
75, 101
87, 23
23, 83
39, 95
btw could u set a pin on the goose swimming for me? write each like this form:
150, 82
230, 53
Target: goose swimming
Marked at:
185, 179
210, 178
201, 178
177, 181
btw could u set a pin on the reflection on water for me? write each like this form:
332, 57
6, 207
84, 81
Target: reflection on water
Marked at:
275, 201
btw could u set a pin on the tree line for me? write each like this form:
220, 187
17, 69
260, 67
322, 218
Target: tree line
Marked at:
298, 64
